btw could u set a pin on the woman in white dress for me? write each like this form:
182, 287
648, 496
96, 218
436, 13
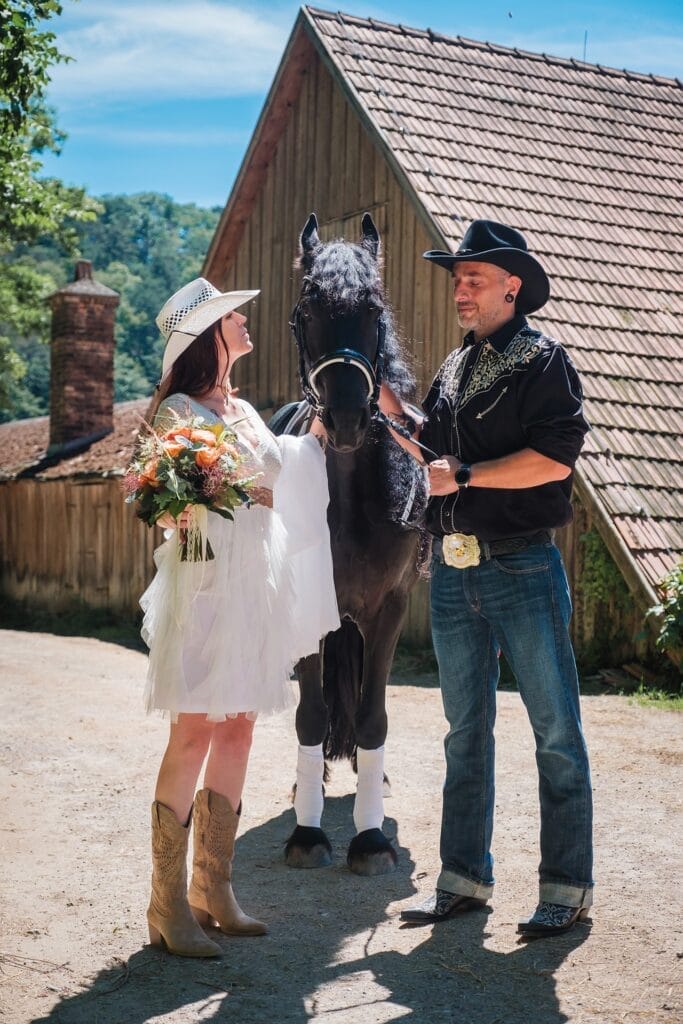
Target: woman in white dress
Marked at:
224, 634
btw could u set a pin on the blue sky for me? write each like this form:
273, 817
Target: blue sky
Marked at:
163, 95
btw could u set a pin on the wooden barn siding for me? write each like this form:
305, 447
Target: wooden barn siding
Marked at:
325, 162
323, 132
66, 541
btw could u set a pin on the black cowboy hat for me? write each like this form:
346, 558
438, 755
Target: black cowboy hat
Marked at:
486, 241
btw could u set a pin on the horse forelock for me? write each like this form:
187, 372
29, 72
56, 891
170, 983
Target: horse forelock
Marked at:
342, 276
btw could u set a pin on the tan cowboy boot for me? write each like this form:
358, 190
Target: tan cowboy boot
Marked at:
211, 896
169, 916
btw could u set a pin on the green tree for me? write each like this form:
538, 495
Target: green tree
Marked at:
30, 206
145, 247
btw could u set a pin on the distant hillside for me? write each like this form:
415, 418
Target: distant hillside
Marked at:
145, 246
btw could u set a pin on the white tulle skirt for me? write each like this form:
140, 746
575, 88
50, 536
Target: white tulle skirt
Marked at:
225, 634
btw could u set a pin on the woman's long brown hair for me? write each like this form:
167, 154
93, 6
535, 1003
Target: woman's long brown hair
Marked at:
194, 372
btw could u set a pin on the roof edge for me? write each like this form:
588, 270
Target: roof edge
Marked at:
253, 150
641, 588
488, 47
259, 147
372, 129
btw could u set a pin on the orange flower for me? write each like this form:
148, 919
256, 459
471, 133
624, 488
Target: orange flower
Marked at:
177, 432
207, 457
149, 474
206, 437
173, 448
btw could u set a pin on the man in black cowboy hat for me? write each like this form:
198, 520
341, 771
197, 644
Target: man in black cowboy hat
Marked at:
504, 412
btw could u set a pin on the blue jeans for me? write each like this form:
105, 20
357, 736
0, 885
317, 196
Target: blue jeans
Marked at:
519, 603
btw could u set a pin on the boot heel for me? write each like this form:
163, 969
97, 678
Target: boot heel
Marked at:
155, 936
201, 916
583, 913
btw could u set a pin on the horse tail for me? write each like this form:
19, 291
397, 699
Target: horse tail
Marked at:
342, 677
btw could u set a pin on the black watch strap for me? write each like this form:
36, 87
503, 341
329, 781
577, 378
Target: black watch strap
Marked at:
463, 474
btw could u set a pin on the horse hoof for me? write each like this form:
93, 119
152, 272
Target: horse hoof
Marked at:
371, 853
308, 848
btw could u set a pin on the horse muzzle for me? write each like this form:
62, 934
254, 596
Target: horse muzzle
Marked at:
346, 428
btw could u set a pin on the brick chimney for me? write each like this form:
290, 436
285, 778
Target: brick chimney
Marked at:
82, 359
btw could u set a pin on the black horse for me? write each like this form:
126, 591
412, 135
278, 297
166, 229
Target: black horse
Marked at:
347, 346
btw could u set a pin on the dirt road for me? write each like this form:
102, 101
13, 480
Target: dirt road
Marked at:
77, 763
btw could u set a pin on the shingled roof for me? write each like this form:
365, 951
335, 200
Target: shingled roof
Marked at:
588, 162
24, 447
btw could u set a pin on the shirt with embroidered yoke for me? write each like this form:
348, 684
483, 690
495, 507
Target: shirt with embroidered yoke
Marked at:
515, 389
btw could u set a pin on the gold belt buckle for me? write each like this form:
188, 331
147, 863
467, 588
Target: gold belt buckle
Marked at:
461, 550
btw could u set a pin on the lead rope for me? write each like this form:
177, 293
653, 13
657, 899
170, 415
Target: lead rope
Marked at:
405, 433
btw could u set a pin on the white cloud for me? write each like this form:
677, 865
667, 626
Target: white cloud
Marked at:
161, 50
108, 135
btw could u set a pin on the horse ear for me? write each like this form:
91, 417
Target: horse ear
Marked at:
309, 239
370, 238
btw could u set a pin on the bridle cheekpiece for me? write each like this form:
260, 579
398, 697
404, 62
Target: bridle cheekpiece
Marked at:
347, 356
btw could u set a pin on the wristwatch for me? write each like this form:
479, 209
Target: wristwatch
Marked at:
463, 474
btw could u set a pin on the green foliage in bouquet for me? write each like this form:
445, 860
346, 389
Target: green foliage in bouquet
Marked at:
190, 464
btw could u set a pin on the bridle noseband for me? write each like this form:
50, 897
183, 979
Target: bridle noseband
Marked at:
309, 371
372, 372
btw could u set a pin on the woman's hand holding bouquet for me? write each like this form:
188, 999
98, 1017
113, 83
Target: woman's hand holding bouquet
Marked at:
180, 474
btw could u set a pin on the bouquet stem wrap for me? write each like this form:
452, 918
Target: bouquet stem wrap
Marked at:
194, 538
193, 552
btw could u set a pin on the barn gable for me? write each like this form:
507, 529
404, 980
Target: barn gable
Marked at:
430, 132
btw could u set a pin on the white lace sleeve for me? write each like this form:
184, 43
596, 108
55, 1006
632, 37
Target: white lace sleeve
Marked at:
172, 406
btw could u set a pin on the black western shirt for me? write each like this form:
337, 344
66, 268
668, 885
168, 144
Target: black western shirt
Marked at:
515, 389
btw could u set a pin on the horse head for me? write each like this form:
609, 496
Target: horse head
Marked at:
339, 326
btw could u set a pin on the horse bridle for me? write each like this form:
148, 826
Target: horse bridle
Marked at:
372, 372
309, 371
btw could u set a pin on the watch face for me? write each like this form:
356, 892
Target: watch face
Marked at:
462, 476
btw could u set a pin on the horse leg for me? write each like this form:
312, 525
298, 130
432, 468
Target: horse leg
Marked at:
370, 852
308, 846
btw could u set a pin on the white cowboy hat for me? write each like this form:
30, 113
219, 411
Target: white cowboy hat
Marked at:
190, 311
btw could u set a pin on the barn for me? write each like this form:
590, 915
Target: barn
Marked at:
428, 133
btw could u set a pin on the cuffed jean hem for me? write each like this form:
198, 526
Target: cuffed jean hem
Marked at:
566, 895
461, 886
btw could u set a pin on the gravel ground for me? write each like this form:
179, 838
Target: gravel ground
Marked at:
78, 760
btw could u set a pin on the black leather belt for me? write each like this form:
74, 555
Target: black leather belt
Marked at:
508, 546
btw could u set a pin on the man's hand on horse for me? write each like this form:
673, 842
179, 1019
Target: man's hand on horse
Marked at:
442, 476
407, 416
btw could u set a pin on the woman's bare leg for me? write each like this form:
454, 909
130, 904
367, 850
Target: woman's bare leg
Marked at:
188, 743
226, 767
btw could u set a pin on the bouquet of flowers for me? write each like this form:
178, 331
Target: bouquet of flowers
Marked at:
191, 465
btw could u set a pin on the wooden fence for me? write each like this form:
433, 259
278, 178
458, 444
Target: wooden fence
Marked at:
68, 541
75, 541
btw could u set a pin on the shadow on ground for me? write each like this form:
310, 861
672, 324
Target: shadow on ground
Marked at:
327, 954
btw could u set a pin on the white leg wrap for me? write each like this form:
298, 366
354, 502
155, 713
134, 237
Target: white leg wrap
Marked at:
308, 802
368, 810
